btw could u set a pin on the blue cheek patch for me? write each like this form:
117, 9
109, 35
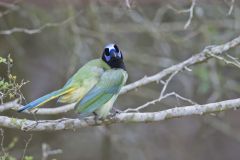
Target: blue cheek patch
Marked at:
107, 58
120, 54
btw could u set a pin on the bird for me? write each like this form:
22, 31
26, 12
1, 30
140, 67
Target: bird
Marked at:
94, 87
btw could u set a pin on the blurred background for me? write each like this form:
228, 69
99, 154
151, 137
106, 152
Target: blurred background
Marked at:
49, 40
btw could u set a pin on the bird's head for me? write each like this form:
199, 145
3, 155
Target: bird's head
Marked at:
113, 56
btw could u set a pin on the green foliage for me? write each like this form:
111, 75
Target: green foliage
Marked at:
6, 156
3, 60
28, 158
9, 87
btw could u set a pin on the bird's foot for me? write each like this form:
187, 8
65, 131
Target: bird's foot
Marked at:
116, 111
31, 126
97, 118
111, 115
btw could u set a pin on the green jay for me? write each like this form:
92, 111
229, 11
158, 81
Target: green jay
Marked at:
95, 86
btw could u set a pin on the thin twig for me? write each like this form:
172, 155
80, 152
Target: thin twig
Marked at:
37, 30
137, 109
127, 2
162, 96
11, 7
26, 145
2, 142
236, 60
167, 82
234, 63
189, 10
231, 8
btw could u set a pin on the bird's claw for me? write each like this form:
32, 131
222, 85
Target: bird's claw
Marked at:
30, 127
117, 111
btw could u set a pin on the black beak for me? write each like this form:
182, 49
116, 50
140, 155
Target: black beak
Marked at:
113, 54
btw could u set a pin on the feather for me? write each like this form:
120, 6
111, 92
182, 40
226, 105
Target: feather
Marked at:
42, 100
108, 87
76, 87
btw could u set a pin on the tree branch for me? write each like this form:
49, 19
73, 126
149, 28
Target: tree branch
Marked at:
36, 30
207, 53
72, 124
9, 105
198, 58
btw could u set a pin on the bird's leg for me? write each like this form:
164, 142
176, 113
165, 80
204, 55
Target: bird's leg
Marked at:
36, 120
114, 113
96, 117
35, 117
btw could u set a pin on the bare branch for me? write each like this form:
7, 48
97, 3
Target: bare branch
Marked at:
72, 124
189, 10
167, 82
162, 96
127, 2
234, 62
37, 30
10, 7
9, 105
183, 98
231, 7
234, 59
198, 58
159, 100
26, 145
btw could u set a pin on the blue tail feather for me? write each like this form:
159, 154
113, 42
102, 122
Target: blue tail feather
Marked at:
40, 100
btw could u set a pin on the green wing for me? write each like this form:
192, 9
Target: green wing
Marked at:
109, 84
84, 80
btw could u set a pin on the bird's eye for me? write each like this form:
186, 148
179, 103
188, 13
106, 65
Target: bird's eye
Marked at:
116, 48
106, 52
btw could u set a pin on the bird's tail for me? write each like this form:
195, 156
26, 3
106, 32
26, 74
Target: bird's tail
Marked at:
44, 99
